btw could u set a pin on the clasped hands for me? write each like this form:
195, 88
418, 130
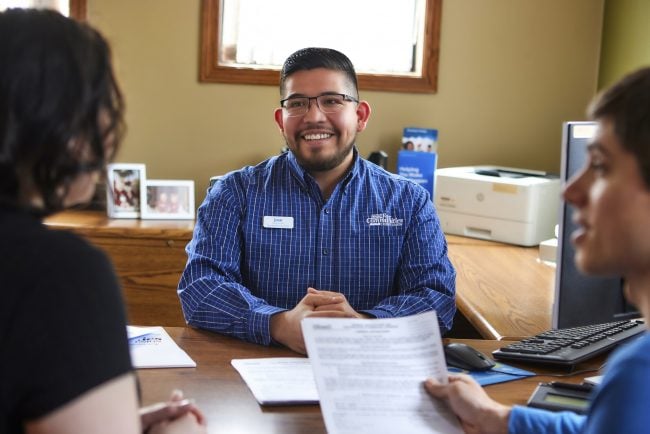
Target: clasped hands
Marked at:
285, 326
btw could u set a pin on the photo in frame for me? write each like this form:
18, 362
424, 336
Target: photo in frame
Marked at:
124, 189
168, 199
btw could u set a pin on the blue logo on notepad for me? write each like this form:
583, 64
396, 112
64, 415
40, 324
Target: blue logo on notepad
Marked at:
146, 339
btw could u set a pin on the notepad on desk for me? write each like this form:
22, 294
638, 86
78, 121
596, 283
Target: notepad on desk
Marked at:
152, 347
278, 380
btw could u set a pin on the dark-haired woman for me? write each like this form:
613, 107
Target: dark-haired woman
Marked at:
65, 365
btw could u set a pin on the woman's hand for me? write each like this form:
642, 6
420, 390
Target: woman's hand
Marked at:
478, 413
177, 415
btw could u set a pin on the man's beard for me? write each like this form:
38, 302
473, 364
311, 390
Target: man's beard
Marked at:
324, 164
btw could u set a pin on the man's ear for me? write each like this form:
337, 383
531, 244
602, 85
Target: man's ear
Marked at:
363, 114
278, 119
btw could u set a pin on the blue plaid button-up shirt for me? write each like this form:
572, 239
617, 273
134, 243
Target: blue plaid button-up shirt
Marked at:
377, 240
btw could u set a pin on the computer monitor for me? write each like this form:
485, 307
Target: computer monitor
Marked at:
579, 299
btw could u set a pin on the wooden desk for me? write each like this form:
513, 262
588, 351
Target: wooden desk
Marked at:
230, 407
502, 290
148, 255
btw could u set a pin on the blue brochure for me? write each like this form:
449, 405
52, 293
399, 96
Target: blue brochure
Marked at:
499, 374
420, 139
418, 167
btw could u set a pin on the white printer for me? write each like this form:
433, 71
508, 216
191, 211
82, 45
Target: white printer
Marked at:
504, 204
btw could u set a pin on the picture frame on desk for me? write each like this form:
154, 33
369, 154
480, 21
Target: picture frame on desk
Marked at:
124, 189
168, 199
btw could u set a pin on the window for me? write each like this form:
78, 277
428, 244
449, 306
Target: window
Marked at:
392, 43
70, 8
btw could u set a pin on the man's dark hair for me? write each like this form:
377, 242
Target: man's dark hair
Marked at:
627, 105
312, 58
61, 111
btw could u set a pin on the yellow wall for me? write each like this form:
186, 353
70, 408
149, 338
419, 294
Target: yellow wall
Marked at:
626, 39
511, 71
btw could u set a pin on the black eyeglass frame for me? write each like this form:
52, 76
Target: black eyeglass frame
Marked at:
345, 97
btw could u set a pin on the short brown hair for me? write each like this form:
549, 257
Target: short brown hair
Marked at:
627, 105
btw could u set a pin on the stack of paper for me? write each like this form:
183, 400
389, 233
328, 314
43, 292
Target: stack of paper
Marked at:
279, 381
152, 347
367, 375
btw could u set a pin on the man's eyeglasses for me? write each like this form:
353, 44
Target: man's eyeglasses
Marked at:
327, 103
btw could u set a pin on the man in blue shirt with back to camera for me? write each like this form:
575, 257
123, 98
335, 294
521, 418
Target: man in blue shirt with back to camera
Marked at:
317, 231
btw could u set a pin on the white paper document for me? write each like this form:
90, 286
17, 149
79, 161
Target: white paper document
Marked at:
152, 347
369, 374
279, 380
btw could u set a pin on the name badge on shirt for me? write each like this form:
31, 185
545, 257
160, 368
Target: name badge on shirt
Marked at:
276, 222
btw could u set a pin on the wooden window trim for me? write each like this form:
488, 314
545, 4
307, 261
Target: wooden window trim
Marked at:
78, 9
211, 71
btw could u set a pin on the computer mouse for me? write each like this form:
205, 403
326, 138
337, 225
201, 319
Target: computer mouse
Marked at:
463, 356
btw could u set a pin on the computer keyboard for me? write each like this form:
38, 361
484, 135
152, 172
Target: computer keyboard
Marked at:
570, 346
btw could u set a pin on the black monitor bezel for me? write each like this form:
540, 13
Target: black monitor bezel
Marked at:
579, 299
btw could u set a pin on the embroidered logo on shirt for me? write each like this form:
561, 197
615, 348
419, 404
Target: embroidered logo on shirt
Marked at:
384, 220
